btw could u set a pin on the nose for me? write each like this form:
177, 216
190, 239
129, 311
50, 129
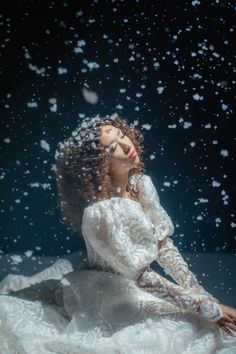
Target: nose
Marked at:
125, 147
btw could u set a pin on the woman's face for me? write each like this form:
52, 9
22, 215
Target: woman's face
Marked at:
119, 147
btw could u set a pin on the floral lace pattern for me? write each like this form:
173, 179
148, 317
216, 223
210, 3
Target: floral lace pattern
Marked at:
125, 236
123, 306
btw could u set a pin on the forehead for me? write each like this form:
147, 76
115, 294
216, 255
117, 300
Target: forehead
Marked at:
107, 133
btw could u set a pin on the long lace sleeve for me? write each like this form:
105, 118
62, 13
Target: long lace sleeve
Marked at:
168, 255
157, 285
171, 260
109, 236
129, 255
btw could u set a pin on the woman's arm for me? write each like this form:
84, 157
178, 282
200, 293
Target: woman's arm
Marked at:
160, 287
171, 260
168, 255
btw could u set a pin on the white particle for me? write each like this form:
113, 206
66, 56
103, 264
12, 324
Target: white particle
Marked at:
28, 253
32, 104
224, 152
80, 44
187, 125
93, 65
62, 71
201, 200
195, 2
197, 97
90, 96
215, 184
199, 217
224, 106
160, 89
146, 126
45, 145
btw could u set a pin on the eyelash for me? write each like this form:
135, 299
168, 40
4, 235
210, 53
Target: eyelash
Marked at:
113, 149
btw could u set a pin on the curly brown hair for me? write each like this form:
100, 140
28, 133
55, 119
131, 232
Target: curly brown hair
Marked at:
82, 168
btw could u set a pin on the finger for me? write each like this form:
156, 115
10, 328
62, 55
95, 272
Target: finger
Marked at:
224, 327
228, 330
226, 318
232, 326
232, 315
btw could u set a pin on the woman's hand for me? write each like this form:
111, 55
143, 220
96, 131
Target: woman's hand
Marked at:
228, 321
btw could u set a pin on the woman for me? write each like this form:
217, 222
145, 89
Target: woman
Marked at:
115, 295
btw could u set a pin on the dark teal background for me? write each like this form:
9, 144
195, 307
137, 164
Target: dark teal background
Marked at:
44, 35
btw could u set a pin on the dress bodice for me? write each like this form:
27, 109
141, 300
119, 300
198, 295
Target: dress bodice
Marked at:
122, 234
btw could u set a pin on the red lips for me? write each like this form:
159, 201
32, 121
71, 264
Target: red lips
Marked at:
132, 154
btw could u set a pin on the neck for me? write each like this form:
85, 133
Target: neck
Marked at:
120, 181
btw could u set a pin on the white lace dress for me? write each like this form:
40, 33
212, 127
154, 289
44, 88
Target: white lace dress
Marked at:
115, 303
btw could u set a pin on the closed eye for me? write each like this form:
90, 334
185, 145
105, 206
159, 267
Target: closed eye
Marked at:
112, 148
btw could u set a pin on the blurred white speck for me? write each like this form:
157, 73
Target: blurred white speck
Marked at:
215, 184
160, 89
32, 104
146, 126
62, 71
28, 253
45, 145
224, 152
197, 97
90, 96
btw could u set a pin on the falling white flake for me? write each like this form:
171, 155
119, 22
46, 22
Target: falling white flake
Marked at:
62, 71
146, 126
224, 152
53, 102
43, 185
196, 2
93, 65
201, 200
160, 89
215, 184
187, 125
45, 145
224, 106
32, 104
90, 96
36, 69
80, 44
65, 282
199, 217
197, 97
28, 253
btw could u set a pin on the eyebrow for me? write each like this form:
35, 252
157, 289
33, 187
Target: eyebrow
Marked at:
118, 133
